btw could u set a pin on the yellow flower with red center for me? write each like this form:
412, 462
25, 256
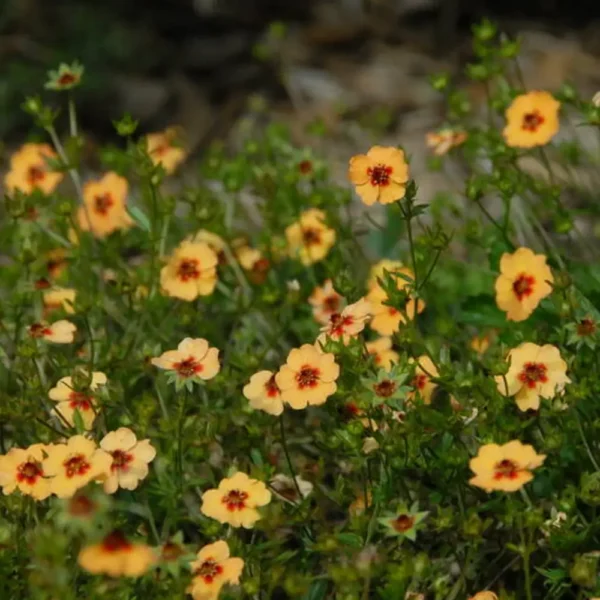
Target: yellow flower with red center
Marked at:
325, 301
29, 170
506, 468
22, 469
212, 569
60, 332
532, 120
130, 459
387, 319
308, 377
524, 280
60, 298
216, 243
116, 556
422, 382
381, 349
235, 501
73, 465
104, 209
380, 175
165, 148
190, 272
309, 239
535, 372
252, 261
443, 141
347, 324
193, 359
264, 393
72, 399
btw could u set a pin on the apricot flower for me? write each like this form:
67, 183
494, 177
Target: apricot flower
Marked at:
23, 470
60, 332
193, 359
532, 120
346, 324
165, 148
309, 239
263, 393
29, 170
325, 302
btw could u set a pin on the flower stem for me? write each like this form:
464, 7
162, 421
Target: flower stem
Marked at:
287, 457
526, 556
584, 440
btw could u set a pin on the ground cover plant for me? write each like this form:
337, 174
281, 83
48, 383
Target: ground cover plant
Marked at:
255, 387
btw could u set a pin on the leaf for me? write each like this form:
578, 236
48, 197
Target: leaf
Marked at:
256, 456
317, 590
350, 539
139, 216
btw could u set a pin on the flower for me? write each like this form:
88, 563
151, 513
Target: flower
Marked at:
74, 398
523, 282
347, 324
370, 444
309, 239
56, 262
484, 596
481, 343
253, 261
212, 569
74, 464
29, 170
65, 77
264, 393
422, 381
117, 557
532, 120
285, 488
325, 302
104, 210
216, 243
165, 148
130, 459
404, 522
194, 360
380, 175
387, 319
23, 470
308, 377
444, 140
235, 501
60, 298
190, 272
386, 386
506, 468
381, 349
534, 372
60, 332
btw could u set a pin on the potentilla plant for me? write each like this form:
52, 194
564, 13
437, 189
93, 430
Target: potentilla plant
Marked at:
243, 389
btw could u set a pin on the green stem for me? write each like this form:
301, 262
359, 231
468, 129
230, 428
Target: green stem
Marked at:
526, 556
584, 440
287, 457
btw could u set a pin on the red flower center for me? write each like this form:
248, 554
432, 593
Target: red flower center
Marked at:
171, 551
385, 388
76, 465
380, 175
506, 469
305, 167
188, 269
102, 203
235, 500
532, 120
42, 284
81, 506
586, 327
523, 286
311, 236
307, 376
533, 373
35, 174
208, 570
54, 266
80, 401
116, 542
403, 523
121, 460
188, 367
331, 303
67, 79
37, 330
272, 388
338, 324
419, 381
29, 471
160, 150
352, 409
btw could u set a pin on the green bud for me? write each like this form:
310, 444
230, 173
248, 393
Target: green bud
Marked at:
440, 81
477, 72
590, 488
510, 48
583, 571
473, 526
485, 31
126, 126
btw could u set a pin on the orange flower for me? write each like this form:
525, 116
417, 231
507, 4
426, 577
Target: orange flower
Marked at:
309, 239
443, 141
23, 470
104, 210
263, 393
535, 372
190, 272
380, 175
193, 359
308, 377
74, 464
532, 120
60, 332
422, 381
216, 243
165, 148
348, 324
117, 557
130, 459
325, 302
29, 170
523, 282
212, 569
235, 501
60, 298
381, 349
506, 468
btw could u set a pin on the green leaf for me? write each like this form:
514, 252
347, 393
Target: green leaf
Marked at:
139, 216
350, 539
317, 591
